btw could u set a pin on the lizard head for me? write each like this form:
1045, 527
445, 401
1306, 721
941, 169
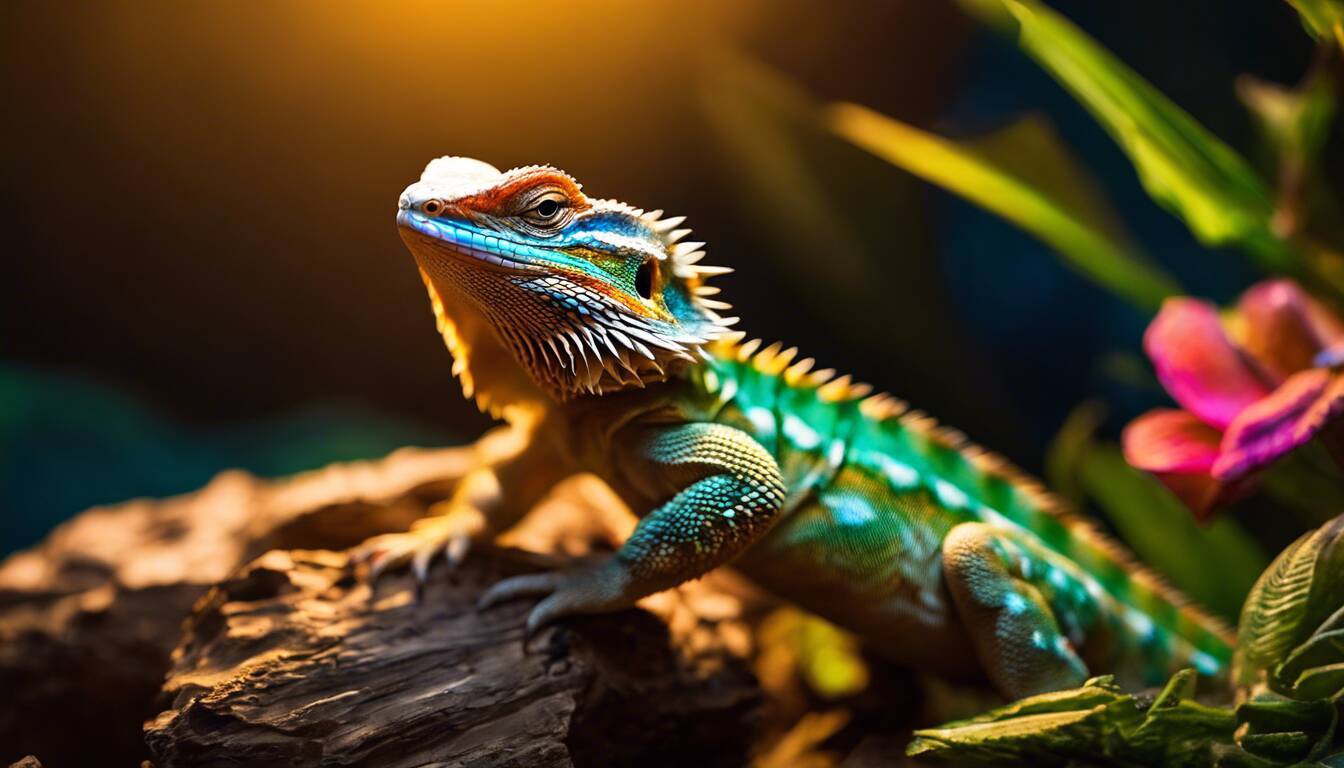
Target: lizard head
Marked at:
587, 296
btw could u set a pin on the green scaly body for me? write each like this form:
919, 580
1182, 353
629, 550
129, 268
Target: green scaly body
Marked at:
873, 492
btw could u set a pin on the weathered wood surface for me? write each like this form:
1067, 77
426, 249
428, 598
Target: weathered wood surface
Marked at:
89, 617
293, 662
290, 661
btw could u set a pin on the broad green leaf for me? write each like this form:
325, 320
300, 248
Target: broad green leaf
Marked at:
1324, 648
1275, 618
1183, 166
1097, 724
1047, 729
1025, 175
1166, 536
1324, 19
1180, 163
1292, 629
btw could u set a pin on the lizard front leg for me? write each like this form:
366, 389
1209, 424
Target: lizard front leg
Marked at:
515, 472
726, 491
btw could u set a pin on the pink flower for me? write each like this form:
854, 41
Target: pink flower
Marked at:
1254, 385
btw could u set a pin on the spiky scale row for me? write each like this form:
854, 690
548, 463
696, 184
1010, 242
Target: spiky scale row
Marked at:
618, 368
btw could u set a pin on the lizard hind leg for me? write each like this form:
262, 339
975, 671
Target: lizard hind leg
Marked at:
1027, 616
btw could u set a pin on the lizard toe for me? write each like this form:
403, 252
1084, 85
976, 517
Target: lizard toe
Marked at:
597, 589
516, 587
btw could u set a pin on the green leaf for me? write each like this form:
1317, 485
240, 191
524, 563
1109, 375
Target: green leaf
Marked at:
1286, 730
1183, 166
1323, 649
1177, 730
1323, 682
1097, 723
1025, 175
1324, 19
1290, 616
1164, 534
1046, 729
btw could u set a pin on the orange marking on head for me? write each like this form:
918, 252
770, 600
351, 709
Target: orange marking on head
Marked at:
498, 200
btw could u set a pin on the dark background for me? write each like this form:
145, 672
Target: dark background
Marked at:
202, 269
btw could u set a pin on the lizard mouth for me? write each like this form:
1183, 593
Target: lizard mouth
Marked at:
444, 236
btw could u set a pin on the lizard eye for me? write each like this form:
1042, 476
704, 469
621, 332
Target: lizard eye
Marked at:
548, 210
432, 207
644, 278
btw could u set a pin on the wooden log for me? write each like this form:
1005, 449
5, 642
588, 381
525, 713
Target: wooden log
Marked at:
293, 662
90, 617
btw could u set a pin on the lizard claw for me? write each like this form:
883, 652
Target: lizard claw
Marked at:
515, 587
592, 589
448, 535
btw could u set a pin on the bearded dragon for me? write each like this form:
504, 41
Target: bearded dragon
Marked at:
589, 327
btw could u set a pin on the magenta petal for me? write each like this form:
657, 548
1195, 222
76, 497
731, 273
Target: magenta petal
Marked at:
1283, 328
1291, 416
1198, 365
1327, 409
1168, 440
1180, 450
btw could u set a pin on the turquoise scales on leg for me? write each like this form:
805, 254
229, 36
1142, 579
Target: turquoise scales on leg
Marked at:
895, 527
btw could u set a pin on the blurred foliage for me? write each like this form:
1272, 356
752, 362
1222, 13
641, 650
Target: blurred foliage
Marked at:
800, 746
1024, 174
1322, 18
1295, 124
848, 231
824, 657
67, 444
1183, 166
1308, 484
1296, 121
